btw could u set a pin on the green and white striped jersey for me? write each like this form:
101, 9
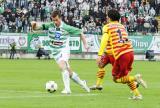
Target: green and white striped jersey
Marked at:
59, 36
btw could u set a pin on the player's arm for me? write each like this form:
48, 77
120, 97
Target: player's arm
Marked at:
73, 30
84, 41
104, 40
76, 31
39, 26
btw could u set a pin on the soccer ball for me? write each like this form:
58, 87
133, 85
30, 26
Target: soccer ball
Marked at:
51, 86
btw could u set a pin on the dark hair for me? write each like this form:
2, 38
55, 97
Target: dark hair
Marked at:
56, 13
114, 15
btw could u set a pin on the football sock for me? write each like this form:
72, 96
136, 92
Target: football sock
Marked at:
100, 76
66, 80
76, 79
133, 88
125, 79
99, 82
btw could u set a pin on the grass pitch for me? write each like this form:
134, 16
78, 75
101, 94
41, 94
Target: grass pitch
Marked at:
22, 85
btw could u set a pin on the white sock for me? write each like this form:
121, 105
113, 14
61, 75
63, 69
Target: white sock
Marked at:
76, 79
66, 80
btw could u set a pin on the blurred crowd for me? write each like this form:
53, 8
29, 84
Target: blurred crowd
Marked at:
90, 15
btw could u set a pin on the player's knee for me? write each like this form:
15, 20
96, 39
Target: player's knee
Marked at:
62, 66
101, 65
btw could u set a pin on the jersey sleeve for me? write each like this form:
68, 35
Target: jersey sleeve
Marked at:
72, 30
46, 26
104, 40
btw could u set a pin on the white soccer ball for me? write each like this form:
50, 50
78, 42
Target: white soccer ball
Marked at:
51, 86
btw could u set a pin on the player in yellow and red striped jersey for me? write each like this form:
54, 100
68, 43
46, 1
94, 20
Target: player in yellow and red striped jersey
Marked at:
106, 58
115, 34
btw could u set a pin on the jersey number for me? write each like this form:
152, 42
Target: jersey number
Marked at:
120, 36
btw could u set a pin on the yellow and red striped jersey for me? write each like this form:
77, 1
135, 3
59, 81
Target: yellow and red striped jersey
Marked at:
116, 36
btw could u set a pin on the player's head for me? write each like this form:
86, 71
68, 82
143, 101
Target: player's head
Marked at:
56, 17
114, 15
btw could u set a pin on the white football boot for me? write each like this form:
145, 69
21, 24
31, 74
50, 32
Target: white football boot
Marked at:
140, 80
65, 92
136, 97
84, 85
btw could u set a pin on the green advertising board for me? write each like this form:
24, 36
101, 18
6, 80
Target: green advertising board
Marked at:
141, 43
75, 45
36, 40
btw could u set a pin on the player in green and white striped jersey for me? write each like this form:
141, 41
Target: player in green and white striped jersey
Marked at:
59, 34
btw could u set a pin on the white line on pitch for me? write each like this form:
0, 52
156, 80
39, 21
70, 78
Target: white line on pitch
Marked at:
40, 94
21, 91
46, 96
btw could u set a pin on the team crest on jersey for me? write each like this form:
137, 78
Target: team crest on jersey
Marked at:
58, 35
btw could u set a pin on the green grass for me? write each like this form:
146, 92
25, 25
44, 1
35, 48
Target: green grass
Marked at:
22, 85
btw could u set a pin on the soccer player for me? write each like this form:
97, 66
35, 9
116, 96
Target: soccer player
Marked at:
115, 34
13, 50
105, 59
59, 33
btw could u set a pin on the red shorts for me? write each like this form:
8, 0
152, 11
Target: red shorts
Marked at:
106, 59
123, 65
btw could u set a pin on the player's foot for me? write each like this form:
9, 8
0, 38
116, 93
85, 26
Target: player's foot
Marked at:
136, 97
66, 92
85, 86
94, 87
140, 80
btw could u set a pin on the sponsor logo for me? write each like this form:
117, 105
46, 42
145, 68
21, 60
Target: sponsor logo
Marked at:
22, 41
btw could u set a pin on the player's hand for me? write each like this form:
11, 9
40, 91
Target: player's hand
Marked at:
98, 60
33, 25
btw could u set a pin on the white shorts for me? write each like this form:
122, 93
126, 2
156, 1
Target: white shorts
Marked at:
64, 55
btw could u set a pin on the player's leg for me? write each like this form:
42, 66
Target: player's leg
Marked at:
62, 59
10, 55
123, 66
99, 81
101, 72
120, 73
100, 75
105, 59
65, 76
75, 77
132, 85
65, 57
127, 67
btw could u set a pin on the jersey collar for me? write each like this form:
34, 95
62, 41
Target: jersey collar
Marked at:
61, 24
114, 22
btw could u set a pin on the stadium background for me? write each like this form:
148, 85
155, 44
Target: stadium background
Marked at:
22, 81
141, 19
